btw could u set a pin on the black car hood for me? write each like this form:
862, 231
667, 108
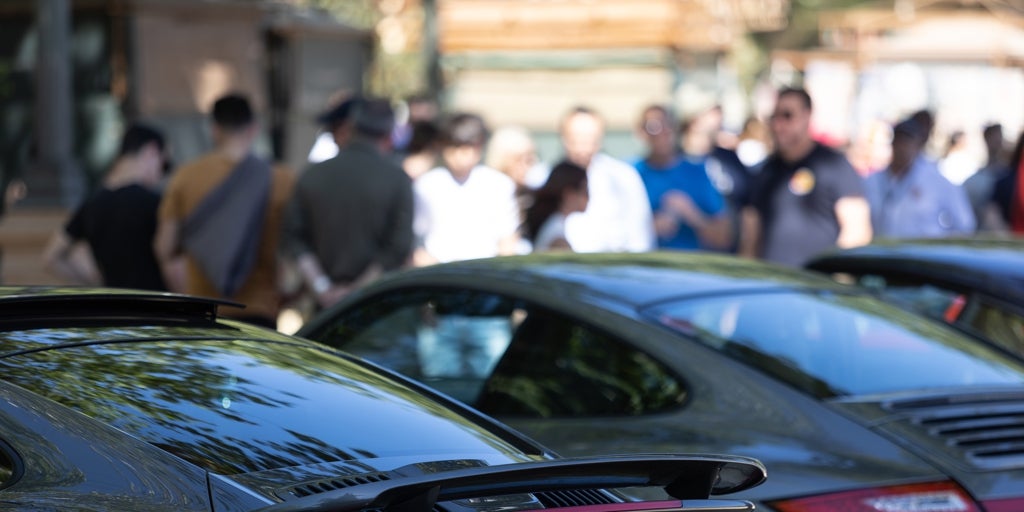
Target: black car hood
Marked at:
976, 436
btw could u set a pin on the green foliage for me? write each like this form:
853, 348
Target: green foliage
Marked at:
359, 13
393, 76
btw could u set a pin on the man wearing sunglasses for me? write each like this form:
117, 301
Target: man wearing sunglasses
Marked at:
807, 198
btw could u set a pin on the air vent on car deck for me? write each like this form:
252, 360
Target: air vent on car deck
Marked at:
990, 440
987, 433
437, 508
549, 499
332, 484
574, 498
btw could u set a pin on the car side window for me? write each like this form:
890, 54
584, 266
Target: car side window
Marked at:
1001, 323
8, 469
998, 322
448, 339
382, 330
557, 367
935, 301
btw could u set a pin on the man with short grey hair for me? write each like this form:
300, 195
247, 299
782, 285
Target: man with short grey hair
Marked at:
618, 217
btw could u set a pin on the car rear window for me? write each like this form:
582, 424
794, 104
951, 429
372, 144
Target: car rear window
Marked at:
838, 345
242, 406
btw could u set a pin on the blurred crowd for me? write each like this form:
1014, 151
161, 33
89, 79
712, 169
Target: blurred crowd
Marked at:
385, 191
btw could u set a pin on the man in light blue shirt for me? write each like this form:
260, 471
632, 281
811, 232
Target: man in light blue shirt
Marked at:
910, 198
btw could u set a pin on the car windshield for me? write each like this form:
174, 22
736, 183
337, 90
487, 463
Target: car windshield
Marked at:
833, 345
244, 406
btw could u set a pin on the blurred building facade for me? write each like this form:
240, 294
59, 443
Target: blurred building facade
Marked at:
73, 73
528, 62
165, 62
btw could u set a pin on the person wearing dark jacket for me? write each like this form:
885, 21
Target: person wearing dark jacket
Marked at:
350, 217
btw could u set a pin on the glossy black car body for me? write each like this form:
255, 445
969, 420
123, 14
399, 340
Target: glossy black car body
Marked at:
976, 284
851, 404
115, 400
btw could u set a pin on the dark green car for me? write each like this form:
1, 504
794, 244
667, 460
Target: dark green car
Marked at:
851, 403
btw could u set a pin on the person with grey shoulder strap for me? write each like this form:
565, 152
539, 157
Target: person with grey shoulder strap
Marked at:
219, 219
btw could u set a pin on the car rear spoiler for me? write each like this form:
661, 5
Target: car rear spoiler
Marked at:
685, 477
45, 306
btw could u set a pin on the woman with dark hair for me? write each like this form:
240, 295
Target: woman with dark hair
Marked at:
565, 192
421, 153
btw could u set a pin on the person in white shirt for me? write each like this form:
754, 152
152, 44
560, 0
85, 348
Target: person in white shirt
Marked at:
959, 163
618, 216
910, 198
464, 210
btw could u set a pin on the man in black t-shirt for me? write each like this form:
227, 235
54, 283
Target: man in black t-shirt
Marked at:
807, 198
117, 223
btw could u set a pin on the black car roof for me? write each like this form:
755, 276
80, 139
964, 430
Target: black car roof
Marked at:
995, 265
631, 278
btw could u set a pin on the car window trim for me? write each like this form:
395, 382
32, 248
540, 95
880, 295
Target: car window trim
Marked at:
646, 308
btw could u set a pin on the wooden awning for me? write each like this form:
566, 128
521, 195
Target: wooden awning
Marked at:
488, 25
863, 37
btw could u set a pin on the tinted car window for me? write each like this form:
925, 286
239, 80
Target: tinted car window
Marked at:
7, 467
456, 340
835, 345
998, 321
236, 407
449, 339
557, 367
929, 299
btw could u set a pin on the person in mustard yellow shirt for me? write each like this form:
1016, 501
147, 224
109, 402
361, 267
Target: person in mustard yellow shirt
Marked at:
220, 217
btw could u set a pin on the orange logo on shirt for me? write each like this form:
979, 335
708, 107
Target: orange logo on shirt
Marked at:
802, 182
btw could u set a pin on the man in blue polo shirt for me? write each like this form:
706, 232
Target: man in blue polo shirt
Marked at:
689, 212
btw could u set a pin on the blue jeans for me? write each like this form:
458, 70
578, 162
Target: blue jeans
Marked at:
463, 346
